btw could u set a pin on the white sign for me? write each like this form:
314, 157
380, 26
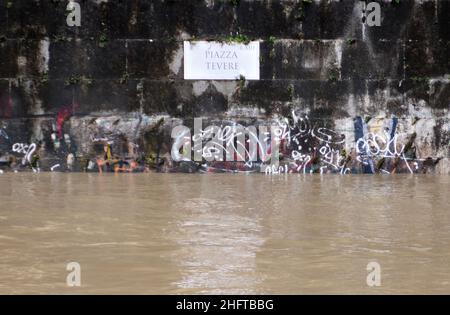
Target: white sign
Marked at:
221, 61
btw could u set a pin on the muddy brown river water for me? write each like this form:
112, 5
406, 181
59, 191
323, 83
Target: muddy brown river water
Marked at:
224, 234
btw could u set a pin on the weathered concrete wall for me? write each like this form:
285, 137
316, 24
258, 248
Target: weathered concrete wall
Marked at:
69, 90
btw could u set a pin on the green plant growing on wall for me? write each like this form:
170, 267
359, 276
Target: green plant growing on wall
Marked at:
334, 74
87, 81
241, 82
44, 78
102, 41
332, 77
351, 41
239, 38
235, 3
73, 80
290, 90
78, 80
61, 38
124, 78
271, 42
420, 79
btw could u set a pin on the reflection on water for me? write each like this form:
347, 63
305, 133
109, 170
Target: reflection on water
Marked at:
217, 248
217, 234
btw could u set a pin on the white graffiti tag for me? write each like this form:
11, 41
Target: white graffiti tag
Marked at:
374, 145
26, 150
377, 145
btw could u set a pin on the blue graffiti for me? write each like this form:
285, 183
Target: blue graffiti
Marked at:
4, 134
360, 132
393, 127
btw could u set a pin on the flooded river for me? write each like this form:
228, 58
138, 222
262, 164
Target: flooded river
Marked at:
224, 234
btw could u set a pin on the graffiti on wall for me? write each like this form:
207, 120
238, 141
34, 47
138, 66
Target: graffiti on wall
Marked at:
293, 144
297, 144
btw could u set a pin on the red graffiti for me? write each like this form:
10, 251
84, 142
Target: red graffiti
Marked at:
6, 106
63, 115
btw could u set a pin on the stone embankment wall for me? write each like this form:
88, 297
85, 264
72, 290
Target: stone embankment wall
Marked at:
347, 97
